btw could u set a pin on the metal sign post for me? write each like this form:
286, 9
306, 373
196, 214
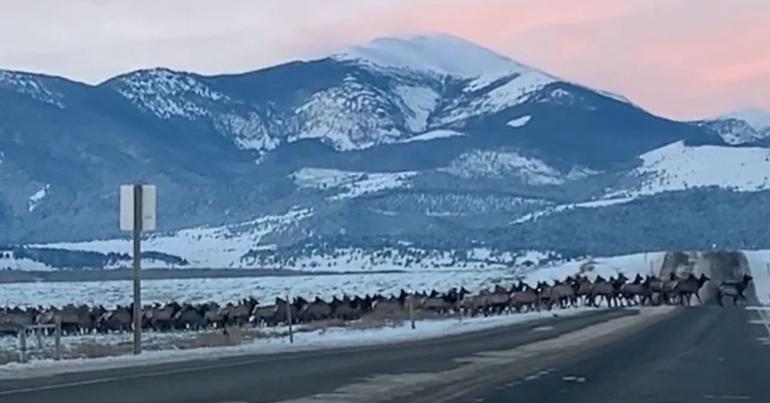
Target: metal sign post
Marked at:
137, 236
411, 310
137, 213
289, 319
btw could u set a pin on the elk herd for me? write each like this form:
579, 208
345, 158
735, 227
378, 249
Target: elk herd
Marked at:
573, 291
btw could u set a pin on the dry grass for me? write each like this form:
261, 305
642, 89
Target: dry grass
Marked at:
233, 336
92, 349
6, 357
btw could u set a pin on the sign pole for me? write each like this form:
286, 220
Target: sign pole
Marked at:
137, 235
288, 318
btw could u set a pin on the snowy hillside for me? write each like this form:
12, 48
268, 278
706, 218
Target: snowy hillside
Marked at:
31, 86
205, 247
736, 131
511, 165
756, 118
430, 140
679, 167
348, 184
434, 54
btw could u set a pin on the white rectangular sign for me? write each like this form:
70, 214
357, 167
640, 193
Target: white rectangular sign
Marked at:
127, 207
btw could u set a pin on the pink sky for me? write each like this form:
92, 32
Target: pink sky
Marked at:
679, 58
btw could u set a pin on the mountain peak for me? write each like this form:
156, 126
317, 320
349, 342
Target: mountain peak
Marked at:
438, 53
756, 118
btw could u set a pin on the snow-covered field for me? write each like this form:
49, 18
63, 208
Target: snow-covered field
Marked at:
759, 262
213, 247
680, 167
222, 290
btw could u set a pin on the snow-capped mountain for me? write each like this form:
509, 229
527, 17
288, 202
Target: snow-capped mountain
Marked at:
429, 139
756, 118
435, 54
742, 127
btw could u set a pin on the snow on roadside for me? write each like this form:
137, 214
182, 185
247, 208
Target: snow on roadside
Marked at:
759, 264
316, 340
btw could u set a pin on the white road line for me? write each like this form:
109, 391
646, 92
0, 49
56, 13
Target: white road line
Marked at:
728, 397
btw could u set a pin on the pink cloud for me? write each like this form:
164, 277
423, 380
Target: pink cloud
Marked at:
681, 58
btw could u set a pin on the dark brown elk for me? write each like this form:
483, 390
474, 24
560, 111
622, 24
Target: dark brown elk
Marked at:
316, 310
524, 296
161, 318
685, 289
654, 290
344, 309
116, 320
237, 315
561, 293
265, 315
667, 292
583, 288
282, 307
190, 317
14, 319
734, 289
609, 290
634, 292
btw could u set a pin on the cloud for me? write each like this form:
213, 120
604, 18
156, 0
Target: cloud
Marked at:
682, 58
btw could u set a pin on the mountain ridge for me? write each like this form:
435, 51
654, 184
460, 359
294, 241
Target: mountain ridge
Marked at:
373, 153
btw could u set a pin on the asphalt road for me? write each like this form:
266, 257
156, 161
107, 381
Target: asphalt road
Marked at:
705, 354
284, 376
692, 355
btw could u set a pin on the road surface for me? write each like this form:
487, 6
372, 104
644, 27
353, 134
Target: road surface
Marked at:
702, 355
681, 356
